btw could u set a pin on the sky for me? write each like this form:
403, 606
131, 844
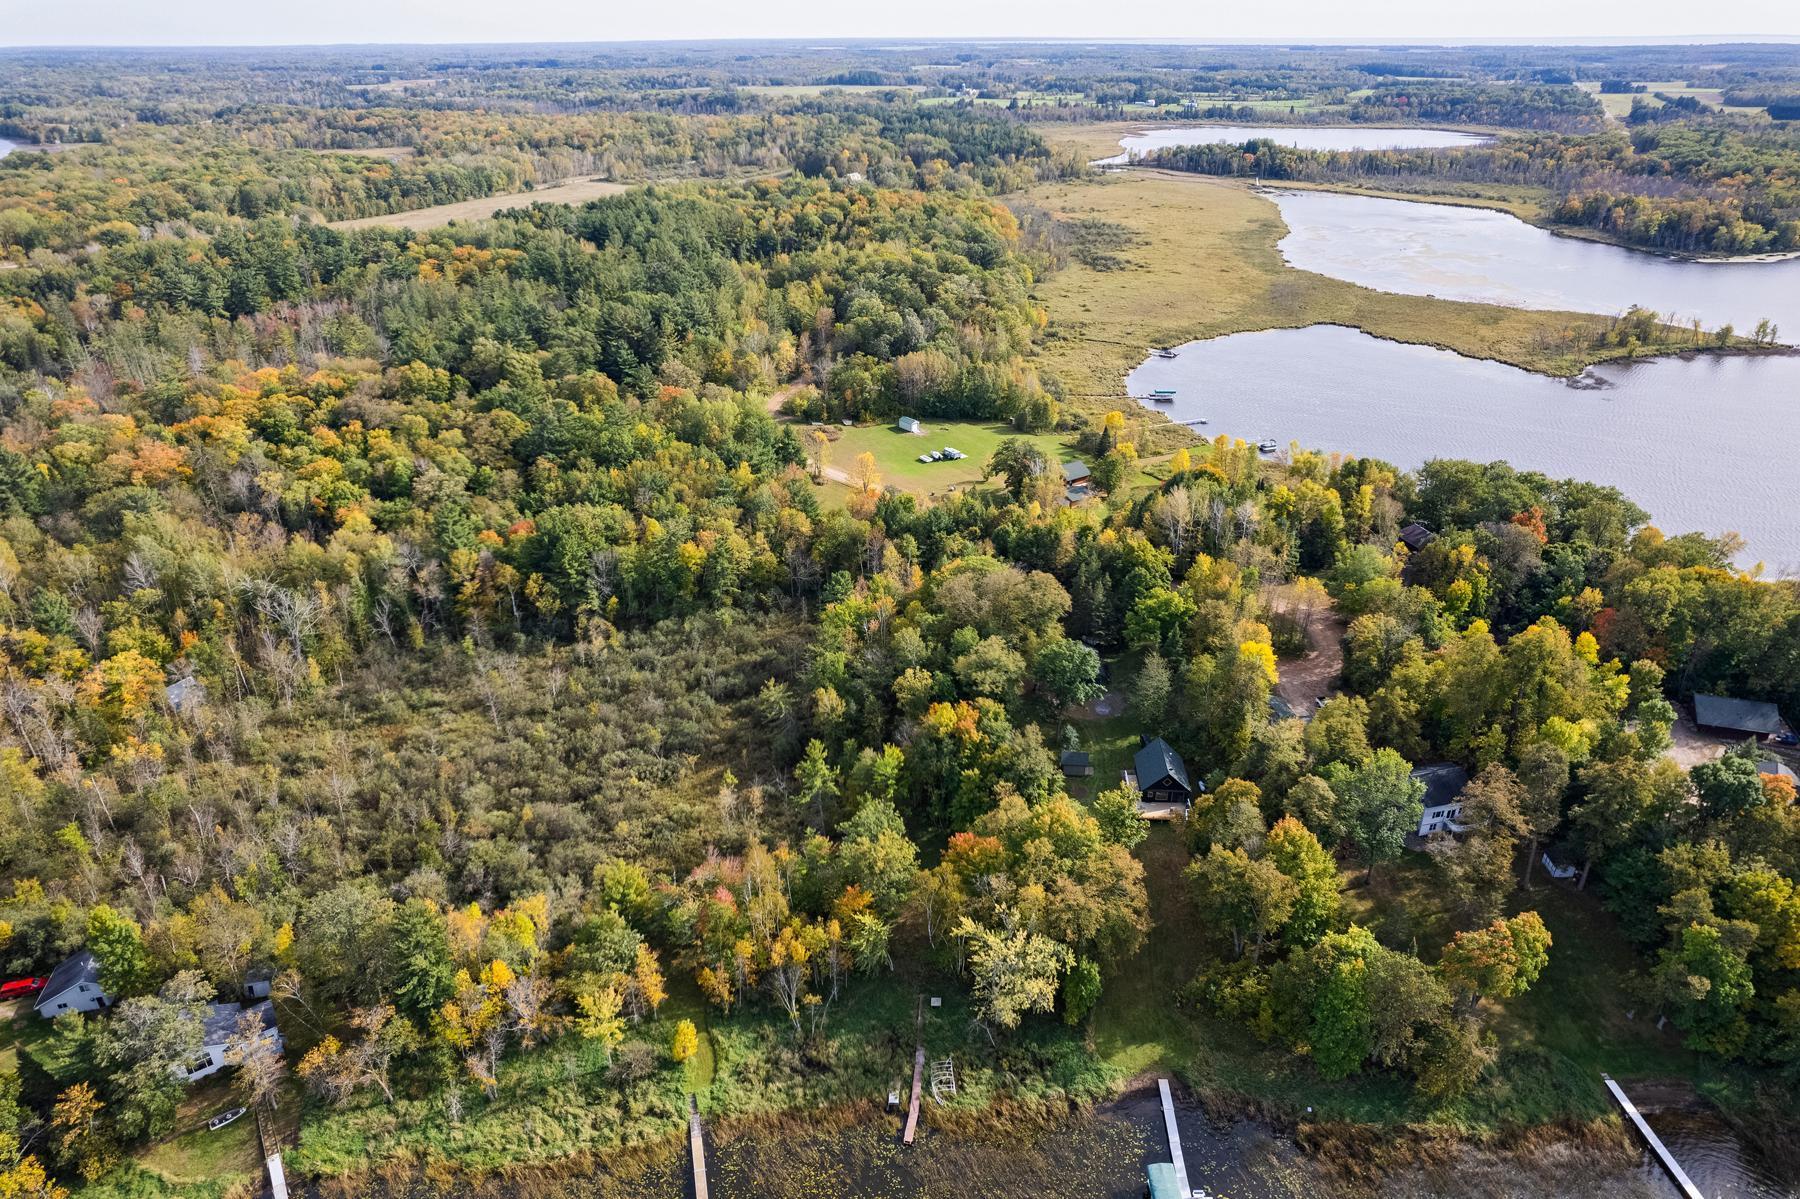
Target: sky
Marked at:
315, 22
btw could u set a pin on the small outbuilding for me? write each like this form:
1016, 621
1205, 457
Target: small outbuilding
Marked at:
73, 986
1076, 764
910, 424
1076, 473
1752, 717
1777, 768
259, 982
1444, 783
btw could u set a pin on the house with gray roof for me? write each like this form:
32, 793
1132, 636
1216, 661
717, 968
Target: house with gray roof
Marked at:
73, 986
1444, 783
219, 1028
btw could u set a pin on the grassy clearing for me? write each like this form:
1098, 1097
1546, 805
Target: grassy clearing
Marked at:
19, 1030
1207, 264
897, 453
374, 152
572, 191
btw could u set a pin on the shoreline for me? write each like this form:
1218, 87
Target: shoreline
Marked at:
1359, 1158
1572, 232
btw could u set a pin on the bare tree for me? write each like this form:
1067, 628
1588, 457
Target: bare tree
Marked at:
260, 1067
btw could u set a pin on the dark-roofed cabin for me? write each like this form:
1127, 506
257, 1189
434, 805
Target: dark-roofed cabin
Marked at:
73, 986
1748, 716
1076, 764
1076, 473
1416, 536
1161, 778
1444, 783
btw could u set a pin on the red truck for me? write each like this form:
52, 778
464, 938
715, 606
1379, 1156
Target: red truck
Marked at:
22, 988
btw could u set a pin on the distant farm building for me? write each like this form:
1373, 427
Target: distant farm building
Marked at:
1076, 764
1161, 780
1747, 716
1444, 783
910, 424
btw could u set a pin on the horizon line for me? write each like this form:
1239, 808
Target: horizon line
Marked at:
1304, 42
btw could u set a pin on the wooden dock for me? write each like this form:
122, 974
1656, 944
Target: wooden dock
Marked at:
912, 1111
1688, 1189
697, 1145
1174, 1131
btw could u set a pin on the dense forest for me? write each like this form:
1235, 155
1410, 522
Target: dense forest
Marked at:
1713, 185
452, 628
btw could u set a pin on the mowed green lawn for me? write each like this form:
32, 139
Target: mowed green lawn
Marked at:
897, 453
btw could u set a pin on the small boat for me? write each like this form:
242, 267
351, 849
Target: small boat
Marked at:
1267, 445
1165, 352
223, 1118
1163, 395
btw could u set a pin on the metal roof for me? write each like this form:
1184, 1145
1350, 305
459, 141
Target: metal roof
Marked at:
1743, 715
1156, 760
1075, 470
82, 968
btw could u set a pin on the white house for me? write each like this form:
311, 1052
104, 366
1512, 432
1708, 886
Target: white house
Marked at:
1444, 783
219, 1029
73, 986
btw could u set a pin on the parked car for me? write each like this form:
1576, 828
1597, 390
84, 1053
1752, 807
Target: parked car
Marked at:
223, 1118
22, 988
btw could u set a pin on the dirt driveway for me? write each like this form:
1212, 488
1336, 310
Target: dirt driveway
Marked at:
1315, 676
1691, 746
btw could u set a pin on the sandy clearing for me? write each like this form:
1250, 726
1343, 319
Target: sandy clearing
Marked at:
574, 191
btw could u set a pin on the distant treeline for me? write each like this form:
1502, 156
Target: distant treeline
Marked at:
256, 162
1714, 189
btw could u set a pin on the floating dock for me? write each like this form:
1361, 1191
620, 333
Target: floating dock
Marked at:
1688, 1189
697, 1144
1174, 1131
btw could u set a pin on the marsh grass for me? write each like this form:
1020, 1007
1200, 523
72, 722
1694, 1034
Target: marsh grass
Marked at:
1202, 262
